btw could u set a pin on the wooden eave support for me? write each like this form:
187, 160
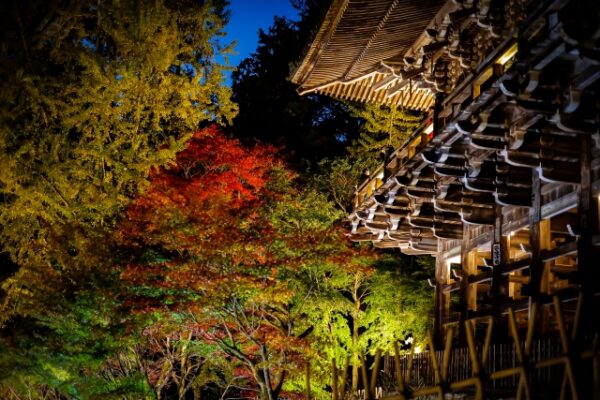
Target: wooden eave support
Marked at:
505, 270
567, 249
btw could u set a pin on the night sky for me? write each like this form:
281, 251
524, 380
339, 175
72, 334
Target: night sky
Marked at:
247, 17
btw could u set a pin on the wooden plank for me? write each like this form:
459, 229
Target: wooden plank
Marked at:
566, 249
516, 266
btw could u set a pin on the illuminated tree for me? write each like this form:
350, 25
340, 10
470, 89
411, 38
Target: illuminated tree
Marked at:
225, 239
93, 95
384, 128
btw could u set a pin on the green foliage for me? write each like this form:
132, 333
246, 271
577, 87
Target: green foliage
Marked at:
362, 304
94, 95
65, 343
340, 177
400, 302
139, 270
383, 128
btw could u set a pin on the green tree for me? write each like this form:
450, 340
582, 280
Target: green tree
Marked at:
384, 128
94, 95
400, 301
366, 303
340, 177
307, 128
61, 348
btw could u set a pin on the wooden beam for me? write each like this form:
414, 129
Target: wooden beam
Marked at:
519, 279
516, 266
505, 271
536, 266
587, 210
482, 277
452, 287
500, 258
441, 299
566, 249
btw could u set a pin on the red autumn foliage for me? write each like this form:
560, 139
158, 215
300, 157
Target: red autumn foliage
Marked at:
200, 218
206, 247
200, 199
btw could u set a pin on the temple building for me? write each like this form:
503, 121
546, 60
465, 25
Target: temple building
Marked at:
501, 183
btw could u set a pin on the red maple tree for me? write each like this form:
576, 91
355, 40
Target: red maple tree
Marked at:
203, 245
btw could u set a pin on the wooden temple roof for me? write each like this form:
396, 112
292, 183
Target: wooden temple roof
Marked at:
358, 52
500, 120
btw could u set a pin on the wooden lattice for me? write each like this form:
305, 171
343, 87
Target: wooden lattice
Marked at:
577, 382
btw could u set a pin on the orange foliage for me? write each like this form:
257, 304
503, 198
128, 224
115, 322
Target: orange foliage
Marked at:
203, 244
201, 198
200, 216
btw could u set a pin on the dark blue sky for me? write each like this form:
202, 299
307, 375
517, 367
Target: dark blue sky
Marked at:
247, 17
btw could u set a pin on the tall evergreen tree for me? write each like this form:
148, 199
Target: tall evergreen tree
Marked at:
384, 128
308, 128
95, 93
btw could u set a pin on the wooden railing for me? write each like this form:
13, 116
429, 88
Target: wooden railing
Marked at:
565, 366
500, 357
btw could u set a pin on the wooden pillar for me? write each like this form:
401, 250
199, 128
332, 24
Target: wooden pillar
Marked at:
587, 212
440, 299
464, 285
441, 273
500, 258
535, 213
471, 288
437, 109
514, 292
546, 244
468, 296
546, 321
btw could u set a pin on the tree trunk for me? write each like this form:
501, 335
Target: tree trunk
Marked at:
264, 392
355, 352
308, 381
